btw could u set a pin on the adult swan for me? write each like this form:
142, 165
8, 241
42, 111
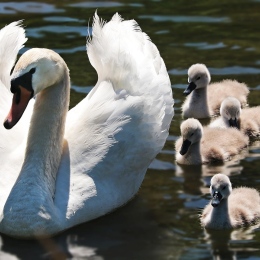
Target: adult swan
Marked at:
80, 166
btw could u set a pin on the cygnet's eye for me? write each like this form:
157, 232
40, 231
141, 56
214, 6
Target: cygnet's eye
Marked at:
224, 188
198, 78
32, 70
191, 134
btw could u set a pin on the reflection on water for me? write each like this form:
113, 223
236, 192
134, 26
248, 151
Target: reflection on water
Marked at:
162, 221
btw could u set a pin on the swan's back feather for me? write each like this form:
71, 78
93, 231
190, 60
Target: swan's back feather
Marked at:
126, 115
124, 55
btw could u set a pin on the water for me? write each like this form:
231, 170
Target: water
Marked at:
161, 222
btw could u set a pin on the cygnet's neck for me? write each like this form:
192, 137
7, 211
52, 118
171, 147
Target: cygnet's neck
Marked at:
199, 101
220, 215
193, 156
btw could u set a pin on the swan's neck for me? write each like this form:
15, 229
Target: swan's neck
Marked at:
33, 193
45, 138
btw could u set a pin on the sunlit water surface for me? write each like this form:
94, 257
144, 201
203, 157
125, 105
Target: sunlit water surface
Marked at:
161, 222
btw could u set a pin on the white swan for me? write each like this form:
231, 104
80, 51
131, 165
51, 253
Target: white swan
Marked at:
247, 120
203, 99
230, 208
110, 138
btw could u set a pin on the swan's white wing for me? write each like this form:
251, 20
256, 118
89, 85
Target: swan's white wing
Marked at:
117, 130
12, 142
12, 39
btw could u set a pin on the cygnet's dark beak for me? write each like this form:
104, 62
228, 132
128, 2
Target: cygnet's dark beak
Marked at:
189, 89
217, 197
233, 123
185, 147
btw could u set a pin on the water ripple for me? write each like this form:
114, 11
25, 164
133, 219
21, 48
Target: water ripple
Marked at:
61, 19
39, 32
96, 4
205, 45
28, 7
185, 19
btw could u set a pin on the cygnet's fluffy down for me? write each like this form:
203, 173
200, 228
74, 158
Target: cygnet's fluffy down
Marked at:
204, 100
230, 208
231, 115
198, 145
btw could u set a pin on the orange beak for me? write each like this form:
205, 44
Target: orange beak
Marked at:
20, 101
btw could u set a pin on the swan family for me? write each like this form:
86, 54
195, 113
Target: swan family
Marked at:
62, 168
234, 125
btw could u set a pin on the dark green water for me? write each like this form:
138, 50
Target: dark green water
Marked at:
161, 222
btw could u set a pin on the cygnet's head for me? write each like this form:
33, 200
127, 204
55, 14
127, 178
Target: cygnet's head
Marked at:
191, 132
198, 77
220, 188
36, 70
230, 110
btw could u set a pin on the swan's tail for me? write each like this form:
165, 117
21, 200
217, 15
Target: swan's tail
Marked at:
124, 55
12, 39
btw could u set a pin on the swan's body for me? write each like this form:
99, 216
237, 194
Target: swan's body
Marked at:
231, 115
109, 140
199, 145
204, 99
230, 208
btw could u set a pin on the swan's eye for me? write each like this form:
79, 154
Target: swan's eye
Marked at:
32, 70
224, 188
191, 134
198, 78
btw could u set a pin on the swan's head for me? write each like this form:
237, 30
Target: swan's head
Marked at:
36, 70
220, 188
198, 77
230, 110
191, 132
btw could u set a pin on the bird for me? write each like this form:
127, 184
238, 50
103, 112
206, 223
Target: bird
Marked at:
247, 120
86, 162
201, 145
203, 99
229, 208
